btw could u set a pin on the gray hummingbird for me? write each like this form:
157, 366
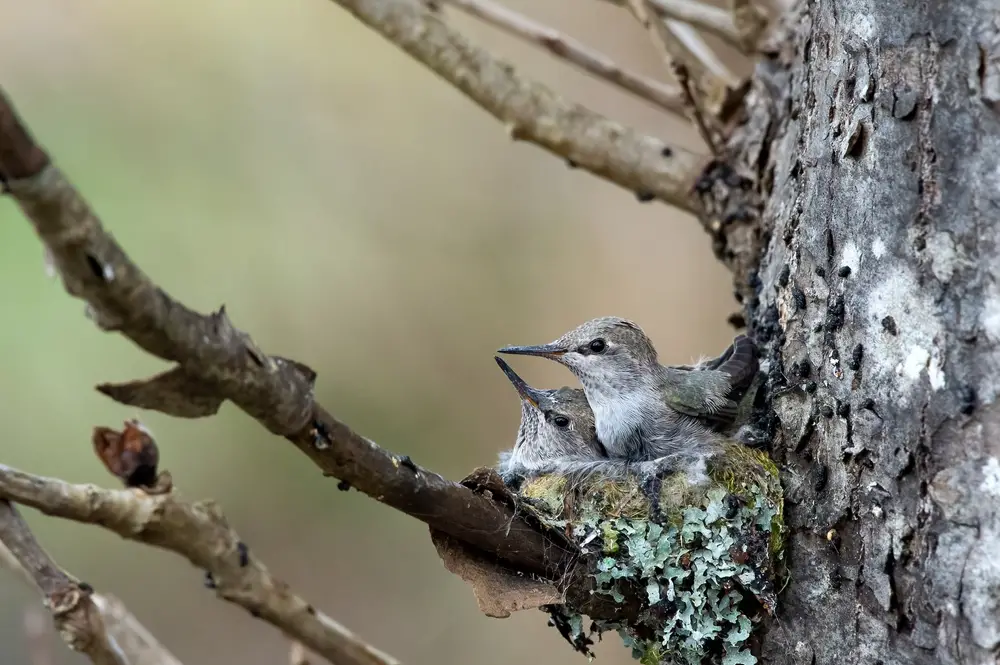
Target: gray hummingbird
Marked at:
558, 435
557, 432
644, 411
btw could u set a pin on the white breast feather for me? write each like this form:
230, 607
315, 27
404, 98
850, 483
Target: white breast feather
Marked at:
618, 417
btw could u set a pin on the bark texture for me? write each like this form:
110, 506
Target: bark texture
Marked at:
873, 139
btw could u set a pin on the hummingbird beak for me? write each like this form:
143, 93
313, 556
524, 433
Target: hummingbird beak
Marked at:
551, 351
527, 393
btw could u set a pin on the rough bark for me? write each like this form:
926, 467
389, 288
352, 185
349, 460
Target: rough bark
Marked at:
872, 139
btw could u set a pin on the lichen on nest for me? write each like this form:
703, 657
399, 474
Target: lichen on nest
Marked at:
705, 573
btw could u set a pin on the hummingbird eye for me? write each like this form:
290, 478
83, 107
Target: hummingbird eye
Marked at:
561, 421
598, 345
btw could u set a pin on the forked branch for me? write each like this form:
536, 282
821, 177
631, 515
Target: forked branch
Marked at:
531, 111
678, 44
741, 27
104, 631
215, 361
573, 51
197, 531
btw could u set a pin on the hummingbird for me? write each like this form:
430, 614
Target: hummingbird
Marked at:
557, 433
644, 411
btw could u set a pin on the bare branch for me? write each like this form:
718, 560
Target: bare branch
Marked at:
702, 76
573, 51
76, 617
674, 41
216, 361
532, 112
10, 562
200, 533
697, 111
133, 638
711, 19
120, 625
704, 56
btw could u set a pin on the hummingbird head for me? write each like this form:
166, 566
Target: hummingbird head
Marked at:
609, 349
554, 423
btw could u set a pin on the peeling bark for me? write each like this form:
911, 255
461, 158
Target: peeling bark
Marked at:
872, 141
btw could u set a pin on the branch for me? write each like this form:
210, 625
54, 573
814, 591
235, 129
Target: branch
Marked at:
573, 51
199, 532
679, 44
122, 628
76, 616
698, 113
133, 638
531, 111
215, 362
703, 55
711, 19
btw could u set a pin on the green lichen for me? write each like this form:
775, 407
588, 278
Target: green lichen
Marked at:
739, 469
547, 492
705, 572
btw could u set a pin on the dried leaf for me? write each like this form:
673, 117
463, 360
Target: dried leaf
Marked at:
130, 455
499, 590
175, 393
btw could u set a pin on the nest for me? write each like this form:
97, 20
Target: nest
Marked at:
705, 571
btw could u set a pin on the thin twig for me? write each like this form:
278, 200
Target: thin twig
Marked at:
703, 54
711, 19
697, 112
215, 361
531, 111
133, 638
573, 51
76, 617
122, 627
200, 533
10, 562
674, 42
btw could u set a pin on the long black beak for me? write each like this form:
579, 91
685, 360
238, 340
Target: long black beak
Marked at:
526, 392
552, 351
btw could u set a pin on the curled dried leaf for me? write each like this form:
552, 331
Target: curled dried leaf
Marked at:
130, 455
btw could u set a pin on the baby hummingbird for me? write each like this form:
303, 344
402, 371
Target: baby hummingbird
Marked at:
646, 411
557, 429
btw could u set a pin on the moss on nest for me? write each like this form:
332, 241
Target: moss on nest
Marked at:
705, 572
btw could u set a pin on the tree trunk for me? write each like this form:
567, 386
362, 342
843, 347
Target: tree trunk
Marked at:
872, 131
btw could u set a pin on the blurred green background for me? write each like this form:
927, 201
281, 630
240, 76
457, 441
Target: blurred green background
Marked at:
356, 213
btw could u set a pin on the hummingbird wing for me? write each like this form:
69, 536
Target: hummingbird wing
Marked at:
701, 394
712, 389
717, 416
714, 363
741, 362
